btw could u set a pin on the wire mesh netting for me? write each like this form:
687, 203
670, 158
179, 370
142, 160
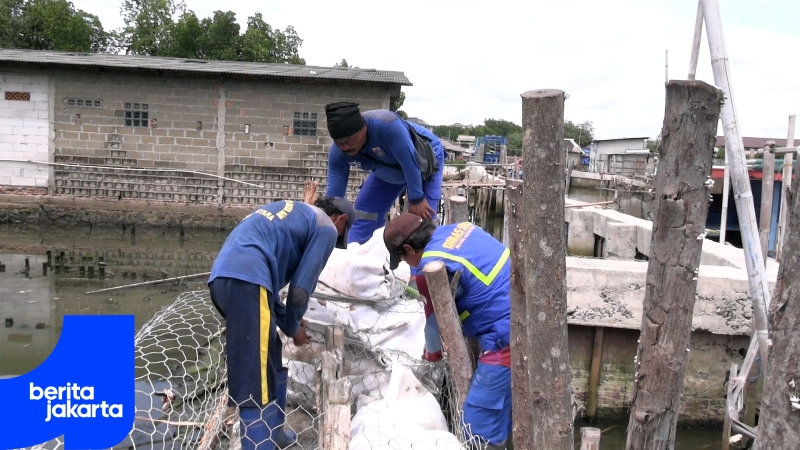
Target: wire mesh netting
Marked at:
396, 399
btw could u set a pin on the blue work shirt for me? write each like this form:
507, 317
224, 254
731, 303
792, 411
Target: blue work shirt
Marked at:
389, 153
281, 243
483, 299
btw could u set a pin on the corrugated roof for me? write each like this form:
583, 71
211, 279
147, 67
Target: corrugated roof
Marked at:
756, 142
273, 70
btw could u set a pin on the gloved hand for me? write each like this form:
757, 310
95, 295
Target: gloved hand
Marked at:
301, 337
432, 357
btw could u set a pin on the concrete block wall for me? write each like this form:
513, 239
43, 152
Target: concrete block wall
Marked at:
191, 122
24, 129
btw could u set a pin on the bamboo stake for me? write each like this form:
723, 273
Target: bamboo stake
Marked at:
786, 188
726, 188
698, 36
759, 289
150, 283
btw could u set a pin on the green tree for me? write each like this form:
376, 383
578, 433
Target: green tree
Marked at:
582, 133
342, 64
50, 25
10, 23
220, 39
397, 103
262, 43
185, 38
147, 26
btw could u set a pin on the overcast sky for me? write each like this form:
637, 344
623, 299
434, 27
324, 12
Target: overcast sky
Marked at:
470, 60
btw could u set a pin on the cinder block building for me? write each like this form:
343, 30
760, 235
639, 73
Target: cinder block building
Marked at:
172, 130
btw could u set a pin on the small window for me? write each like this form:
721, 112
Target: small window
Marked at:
137, 114
83, 103
18, 96
305, 124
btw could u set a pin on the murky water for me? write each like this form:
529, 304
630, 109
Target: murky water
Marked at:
33, 304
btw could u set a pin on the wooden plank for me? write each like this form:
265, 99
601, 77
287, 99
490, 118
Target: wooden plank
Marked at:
590, 438
336, 431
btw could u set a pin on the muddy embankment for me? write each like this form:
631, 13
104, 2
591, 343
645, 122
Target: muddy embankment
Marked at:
32, 208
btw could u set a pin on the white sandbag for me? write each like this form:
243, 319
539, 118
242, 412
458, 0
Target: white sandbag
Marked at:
362, 271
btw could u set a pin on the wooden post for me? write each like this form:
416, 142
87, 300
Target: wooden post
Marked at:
459, 211
779, 422
786, 188
590, 438
310, 192
689, 130
767, 183
328, 368
336, 431
546, 390
521, 364
449, 327
594, 373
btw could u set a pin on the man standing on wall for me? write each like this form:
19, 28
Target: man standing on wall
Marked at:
483, 303
281, 243
400, 154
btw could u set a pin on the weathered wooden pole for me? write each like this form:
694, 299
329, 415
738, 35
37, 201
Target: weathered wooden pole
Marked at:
455, 348
767, 183
521, 345
779, 423
548, 392
590, 438
459, 211
689, 131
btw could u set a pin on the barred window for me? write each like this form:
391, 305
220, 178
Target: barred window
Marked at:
137, 114
18, 96
305, 124
83, 103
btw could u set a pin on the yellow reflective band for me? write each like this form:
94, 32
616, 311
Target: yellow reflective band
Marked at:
264, 326
485, 278
463, 316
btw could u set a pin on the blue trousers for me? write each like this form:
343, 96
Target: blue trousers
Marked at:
377, 197
487, 410
254, 350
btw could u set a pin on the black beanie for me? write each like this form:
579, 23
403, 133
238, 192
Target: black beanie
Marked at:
344, 119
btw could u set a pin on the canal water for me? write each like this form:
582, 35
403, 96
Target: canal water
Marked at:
33, 302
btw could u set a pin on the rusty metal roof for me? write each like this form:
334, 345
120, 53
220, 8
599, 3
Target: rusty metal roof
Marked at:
153, 63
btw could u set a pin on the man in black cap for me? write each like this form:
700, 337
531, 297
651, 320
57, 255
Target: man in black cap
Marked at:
393, 149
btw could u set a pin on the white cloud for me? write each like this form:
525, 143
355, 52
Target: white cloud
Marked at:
470, 60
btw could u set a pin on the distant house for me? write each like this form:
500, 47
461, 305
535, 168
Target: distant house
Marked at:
751, 144
465, 141
624, 156
420, 122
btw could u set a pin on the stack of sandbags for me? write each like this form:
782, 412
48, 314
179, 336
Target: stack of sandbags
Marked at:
405, 416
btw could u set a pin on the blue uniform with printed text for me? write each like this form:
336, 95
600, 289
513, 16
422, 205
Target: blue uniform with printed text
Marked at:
279, 244
390, 154
483, 303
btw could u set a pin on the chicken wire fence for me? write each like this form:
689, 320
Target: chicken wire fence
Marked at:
182, 397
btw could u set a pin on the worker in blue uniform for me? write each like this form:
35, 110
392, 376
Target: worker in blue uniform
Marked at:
280, 243
482, 299
382, 142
